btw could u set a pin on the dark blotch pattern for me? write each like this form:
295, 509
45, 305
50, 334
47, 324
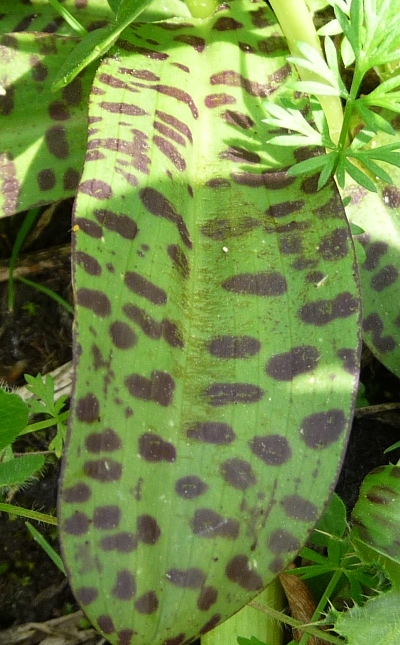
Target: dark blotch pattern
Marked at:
122, 336
288, 365
322, 312
238, 473
334, 245
96, 188
143, 287
273, 450
238, 570
281, 541
179, 260
188, 578
190, 487
88, 263
385, 277
208, 597
106, 517
159, 388
77, 494
77, 524
106, 441
157, 204
122, 542
90, 228
148, 530
147, 604
46, 179
258, 284
212, 432
373, 323
103, 470
374, 252
125, 585
210, 624
209, 524
234, 346
105, 624
321, 429
124, 225
298, 508
95, 300
87, 408
153, 448
86, 595
227, 393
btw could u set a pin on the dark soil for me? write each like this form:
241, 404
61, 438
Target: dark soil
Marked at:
36, 337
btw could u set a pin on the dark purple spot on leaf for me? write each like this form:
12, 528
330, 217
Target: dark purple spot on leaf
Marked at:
192, 578
215, 100
212, 432
153, 448
288, 365
103, 470
107, 440
90, 228
239, 571
148, 530
322, 312
238, 119
122, 542
46, 179
86, 595
88, 408
77, 524
105, 624
273, 450
207, 523
298, 508
321, 429
96, 188
125, 585
385, 278
159, 388
122, 335
208, 597
210, 624
124, 225
190, 487
234, 346
281, 541
147, 604
238, 473
144, 288
160, 206
258, 284
374, 252
227, 393
88, 263
106, 517
77, 494
56, 141
391, 196
95, 300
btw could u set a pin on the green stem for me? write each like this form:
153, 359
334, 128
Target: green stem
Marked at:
249, 622
21, 235
73, 22
297, 623
47, 423
201, 8
322, 603
25, 512
297, 26
50, 293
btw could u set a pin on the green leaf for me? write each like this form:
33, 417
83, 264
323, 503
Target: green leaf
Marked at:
359, 176
98, 42
217, 312
18, 470
47, 548
13, 417
375, 622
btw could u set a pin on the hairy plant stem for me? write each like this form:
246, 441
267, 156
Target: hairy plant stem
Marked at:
297, 26
297, 623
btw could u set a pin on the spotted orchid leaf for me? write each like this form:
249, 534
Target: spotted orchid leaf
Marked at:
41, 160
378, 215
216, 338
